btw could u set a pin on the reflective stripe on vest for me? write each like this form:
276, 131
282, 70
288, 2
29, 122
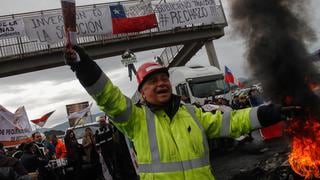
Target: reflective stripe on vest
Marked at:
226, 120
254, 121
192, 110
156, 165
98, 86
225, 124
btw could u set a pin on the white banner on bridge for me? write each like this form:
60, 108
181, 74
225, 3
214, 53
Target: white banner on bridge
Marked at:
49, 28
182, 13
11, 28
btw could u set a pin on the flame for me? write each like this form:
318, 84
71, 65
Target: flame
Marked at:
305, 153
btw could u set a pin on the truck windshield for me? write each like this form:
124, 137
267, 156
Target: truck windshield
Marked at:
201, 89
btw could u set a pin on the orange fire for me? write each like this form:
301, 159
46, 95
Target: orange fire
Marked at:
305, 153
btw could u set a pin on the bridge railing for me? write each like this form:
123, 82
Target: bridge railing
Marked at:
169, 53
22, 46
19, 47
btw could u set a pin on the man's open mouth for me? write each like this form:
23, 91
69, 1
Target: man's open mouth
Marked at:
162, 90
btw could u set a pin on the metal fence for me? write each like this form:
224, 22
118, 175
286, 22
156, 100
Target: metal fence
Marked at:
169, 53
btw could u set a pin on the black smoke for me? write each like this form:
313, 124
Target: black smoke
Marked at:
276, 32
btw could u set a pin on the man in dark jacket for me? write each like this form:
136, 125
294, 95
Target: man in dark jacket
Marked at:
124, 166
47, 149
11, 168
104, 144
32, 162
14, 163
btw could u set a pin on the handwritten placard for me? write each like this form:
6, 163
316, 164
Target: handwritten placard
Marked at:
182, 13
50, 29
11, 28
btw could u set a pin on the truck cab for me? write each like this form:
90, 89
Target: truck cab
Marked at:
198, 83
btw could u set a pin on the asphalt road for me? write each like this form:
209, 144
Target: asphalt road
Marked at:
246, 156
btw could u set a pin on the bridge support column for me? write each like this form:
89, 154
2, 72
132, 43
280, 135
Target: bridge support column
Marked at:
211, 52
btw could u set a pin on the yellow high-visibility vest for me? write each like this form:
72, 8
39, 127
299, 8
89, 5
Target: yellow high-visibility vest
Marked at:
169, 149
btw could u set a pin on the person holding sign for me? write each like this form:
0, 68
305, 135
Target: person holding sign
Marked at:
7, 163
128, 58
170, 137
69, 19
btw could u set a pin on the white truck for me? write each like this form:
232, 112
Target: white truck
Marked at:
198, 83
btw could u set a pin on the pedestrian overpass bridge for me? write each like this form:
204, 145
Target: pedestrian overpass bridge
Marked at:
21, 55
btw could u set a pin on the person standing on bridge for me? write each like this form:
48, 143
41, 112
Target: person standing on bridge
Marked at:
170, 138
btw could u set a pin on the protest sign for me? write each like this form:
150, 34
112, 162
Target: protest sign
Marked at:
14, 127
182, 13
77, 113
69, 18
11, 28
49, 29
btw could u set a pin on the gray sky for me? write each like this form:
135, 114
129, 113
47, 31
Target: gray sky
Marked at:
51, 89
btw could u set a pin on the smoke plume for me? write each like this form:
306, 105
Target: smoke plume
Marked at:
276, 32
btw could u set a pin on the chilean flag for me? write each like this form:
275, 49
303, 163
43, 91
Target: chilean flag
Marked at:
132, 18
228, 76
42, 121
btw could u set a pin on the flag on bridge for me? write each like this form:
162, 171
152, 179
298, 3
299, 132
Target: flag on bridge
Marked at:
43, 119
132, 18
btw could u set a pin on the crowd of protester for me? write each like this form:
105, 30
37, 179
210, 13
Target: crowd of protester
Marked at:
47, 158
240, 99
53, 158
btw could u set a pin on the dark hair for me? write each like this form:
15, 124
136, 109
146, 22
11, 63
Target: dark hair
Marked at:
54, 136
67, 137
2, 151
33, 135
